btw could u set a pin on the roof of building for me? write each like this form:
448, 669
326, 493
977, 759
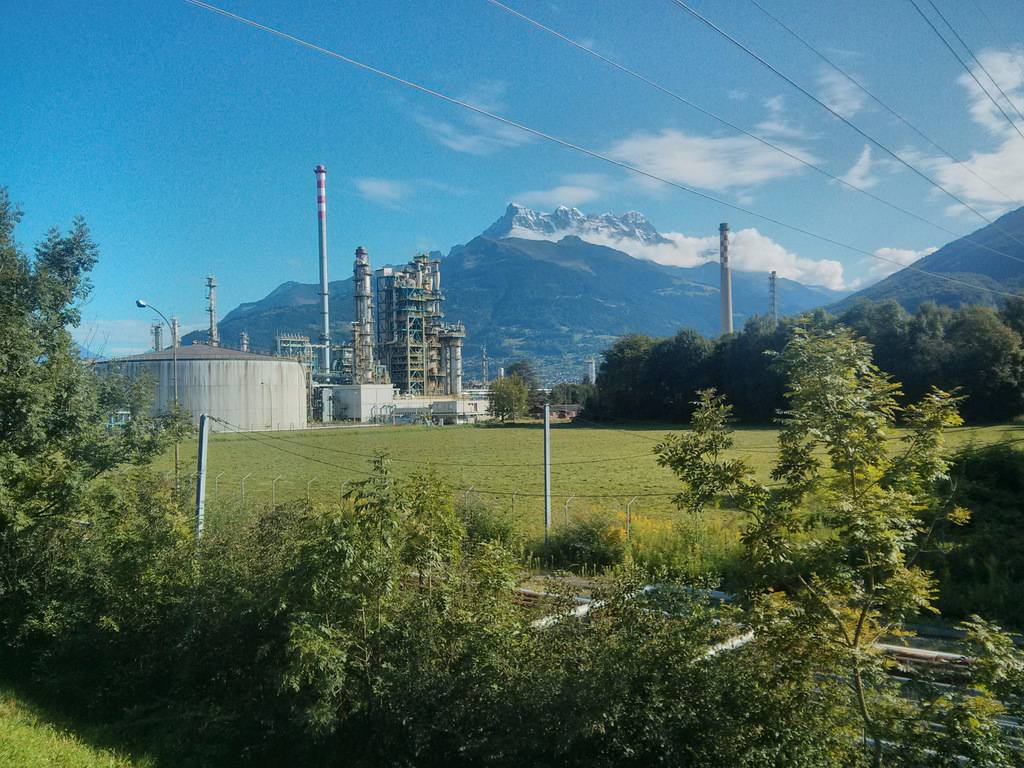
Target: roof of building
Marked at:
196, 352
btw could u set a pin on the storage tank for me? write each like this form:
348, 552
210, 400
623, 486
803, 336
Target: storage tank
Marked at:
253, 392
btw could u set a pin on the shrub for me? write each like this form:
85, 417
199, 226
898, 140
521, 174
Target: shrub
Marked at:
588, 542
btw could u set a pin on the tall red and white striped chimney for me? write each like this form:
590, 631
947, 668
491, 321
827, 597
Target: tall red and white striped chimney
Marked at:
321, 218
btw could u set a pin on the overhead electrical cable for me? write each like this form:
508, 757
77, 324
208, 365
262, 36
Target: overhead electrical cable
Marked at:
1002, 40
846, 121
583, 150
766, 142
884, 105
471, 465
270, 441
965, 65
977, 61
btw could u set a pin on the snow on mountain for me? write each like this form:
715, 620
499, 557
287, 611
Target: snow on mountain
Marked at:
533, 225
632, 233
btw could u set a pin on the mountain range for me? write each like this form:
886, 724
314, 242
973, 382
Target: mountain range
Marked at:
991, 258
533, 285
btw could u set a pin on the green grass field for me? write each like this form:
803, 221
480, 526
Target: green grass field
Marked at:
28, 740
602, 468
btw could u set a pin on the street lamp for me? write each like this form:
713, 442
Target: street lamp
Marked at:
143, 304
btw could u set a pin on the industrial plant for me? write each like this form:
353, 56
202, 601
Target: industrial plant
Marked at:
402, 362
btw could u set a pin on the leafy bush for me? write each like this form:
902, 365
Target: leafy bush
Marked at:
588, 542
484, 524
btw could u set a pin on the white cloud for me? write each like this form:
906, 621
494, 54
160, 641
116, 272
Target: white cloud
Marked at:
860, 174
840, 94
894, 259
751, 252
989, 176
775, 125
574, 190
475, 134
1003, 67
716, 163
384, 191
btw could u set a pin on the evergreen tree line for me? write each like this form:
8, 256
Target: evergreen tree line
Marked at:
975, 350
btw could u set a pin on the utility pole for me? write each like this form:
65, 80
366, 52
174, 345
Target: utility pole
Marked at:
773, 292
204, 432
547, 471
484, 366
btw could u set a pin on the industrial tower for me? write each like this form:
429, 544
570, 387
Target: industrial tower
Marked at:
420, 353
211, 308
362, 327
725, 307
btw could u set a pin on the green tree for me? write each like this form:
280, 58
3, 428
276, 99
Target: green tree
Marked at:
523, 370
833, 550
508, 398
578, 392
675, 369
53, 409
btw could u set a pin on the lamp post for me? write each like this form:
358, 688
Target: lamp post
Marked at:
143, 304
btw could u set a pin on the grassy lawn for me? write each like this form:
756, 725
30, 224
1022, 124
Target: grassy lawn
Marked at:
601, 467
27, 740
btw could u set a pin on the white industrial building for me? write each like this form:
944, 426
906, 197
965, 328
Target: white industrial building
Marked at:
253, 392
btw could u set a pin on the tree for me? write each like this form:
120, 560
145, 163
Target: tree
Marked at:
674, 370
572, 392
53, 409
620, 377
508, 398
987, 361
833, 555
524, 371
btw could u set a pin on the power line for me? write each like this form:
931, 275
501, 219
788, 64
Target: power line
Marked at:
976, 60
471, 465
846, 121
583, 150
963, 63
1016, 57
892, 111
269, 441
766, 142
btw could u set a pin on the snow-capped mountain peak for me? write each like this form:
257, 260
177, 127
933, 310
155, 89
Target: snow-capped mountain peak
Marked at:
529, 224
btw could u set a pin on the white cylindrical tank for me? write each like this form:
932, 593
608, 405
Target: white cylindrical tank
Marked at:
252, 392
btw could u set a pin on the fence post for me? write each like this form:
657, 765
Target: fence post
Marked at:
314, 480
200, 475
243, 488
629, 506
273, 493
565, 510
465, 496
216, 484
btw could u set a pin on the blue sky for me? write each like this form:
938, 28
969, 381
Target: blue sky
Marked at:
188, 141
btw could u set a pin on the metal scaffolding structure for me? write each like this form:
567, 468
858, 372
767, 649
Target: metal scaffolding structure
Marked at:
419, 352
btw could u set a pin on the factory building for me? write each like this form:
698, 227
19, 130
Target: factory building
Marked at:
253, 392
420, 353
